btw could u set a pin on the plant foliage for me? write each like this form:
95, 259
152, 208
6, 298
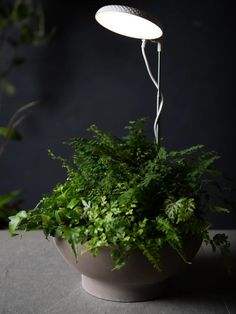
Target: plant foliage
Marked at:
129, 193
22, 23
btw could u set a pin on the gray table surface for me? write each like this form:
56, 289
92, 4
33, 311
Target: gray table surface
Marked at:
34, 278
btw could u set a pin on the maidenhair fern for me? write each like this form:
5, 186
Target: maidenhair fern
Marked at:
129, 193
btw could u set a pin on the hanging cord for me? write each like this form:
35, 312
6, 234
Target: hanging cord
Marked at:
157, 85
156, 126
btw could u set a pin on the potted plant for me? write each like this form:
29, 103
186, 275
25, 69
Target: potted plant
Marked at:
129, 213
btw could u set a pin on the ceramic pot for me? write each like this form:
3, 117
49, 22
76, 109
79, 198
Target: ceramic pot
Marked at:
138, 280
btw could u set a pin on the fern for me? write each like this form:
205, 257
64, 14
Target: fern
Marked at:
127, 193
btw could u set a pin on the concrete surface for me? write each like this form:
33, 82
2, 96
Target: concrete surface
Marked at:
35, 279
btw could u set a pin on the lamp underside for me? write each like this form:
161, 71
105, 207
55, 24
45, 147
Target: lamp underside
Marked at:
129, 22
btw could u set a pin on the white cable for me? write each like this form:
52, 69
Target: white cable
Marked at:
157, 119
156, 126
147, 64
157, 85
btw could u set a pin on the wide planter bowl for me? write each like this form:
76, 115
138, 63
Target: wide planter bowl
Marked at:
138, 280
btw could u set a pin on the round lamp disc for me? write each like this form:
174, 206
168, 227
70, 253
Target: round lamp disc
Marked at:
129, 22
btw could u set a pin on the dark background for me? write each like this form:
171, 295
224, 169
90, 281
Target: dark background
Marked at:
87, 75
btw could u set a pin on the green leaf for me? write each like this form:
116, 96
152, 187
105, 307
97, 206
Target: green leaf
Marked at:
186, 151
181, 210
57, 216
8, 198
45, 220
15, 221
74, 243
219, 209
73, 203
162, 154
10, 133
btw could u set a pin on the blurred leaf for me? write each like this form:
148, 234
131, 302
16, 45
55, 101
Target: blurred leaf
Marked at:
27, 34
8, 197
20, 11
10, 133
219, 209
7, 88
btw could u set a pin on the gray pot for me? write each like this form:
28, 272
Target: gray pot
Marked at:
138, 280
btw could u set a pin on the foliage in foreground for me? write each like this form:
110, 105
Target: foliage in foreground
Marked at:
129, 193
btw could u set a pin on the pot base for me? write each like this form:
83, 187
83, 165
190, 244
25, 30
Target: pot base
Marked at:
122, 293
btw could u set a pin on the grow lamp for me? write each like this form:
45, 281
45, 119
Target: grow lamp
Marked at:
135, 23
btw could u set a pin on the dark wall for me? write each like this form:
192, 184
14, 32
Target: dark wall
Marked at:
87, 75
